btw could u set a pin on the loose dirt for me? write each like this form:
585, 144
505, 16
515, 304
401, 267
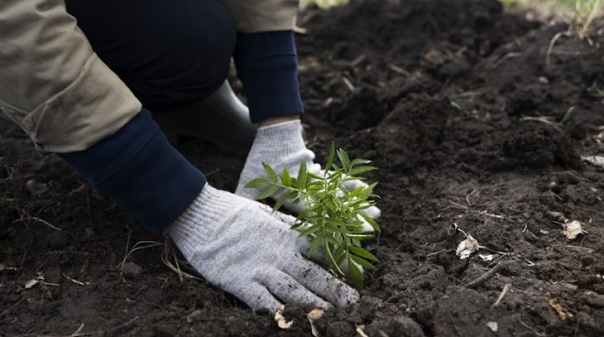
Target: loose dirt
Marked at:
477, 119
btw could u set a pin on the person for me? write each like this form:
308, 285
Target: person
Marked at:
81, 77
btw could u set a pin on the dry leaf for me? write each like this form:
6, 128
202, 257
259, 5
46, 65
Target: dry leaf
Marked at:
554, 304
572, 229
595, 160
195, 315
467, 247
312, 316
493, 326
31, 283
360, 330
486, 257
281, 321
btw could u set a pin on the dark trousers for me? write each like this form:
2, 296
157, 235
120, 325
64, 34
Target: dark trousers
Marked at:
169, 53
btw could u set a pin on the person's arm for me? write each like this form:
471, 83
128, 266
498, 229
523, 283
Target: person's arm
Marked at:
69, 102
267, 65
265, 58
51, 82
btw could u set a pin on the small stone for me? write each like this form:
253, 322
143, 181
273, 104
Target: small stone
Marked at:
593, 299
132, 269
194, 316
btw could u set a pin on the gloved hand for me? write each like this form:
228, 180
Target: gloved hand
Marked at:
282, 146
244, 248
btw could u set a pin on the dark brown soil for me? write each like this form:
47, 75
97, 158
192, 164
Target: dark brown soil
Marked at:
434, 92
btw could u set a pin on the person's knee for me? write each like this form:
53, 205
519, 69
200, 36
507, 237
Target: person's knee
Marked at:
168, 54
195, 63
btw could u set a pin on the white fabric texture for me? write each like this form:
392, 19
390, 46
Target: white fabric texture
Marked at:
244, 248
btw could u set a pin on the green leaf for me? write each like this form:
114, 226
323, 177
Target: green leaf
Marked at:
339, 254
283, 198
371, 221
302, 175
359, 236
361, 170
355, 274
286, 179
363, 253
330, 157
258, 183
315, 176
270, 172
310, 230
357, 162
331, 240
335, 174
269, 192
316, 242
362, 262
298, 224
334, 265
344, 160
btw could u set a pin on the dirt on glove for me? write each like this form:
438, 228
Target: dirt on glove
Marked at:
478, 119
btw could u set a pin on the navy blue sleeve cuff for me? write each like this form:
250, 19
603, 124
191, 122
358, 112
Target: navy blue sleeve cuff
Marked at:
141, 172
267, 65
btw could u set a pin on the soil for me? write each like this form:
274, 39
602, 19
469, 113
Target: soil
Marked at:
479, 121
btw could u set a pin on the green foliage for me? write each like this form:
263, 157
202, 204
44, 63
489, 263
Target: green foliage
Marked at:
333, 217
585, 12
581, 12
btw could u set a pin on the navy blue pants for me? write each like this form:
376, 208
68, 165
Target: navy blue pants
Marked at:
169, 53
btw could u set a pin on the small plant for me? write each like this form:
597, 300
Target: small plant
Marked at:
333, 215
581, 12
585, 11
550, 121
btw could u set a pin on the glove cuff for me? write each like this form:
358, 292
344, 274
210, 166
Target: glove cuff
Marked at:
141, 172
281, 139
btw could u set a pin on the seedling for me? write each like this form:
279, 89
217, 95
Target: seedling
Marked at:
333, 215
550, 121
585, 12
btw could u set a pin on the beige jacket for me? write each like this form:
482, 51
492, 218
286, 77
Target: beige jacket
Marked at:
56, 88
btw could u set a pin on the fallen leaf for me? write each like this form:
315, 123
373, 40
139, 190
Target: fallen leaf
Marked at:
31, 283
486, 257
313, 316
361, 330
595, 160
572, 229
467, 247
554, 304
195, 315
493, 326
281, 321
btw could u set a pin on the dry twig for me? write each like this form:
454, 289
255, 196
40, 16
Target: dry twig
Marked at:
550, 48
484, 277
504, 291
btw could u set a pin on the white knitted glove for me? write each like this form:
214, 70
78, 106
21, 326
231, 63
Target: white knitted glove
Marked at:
244, 248
282, 146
